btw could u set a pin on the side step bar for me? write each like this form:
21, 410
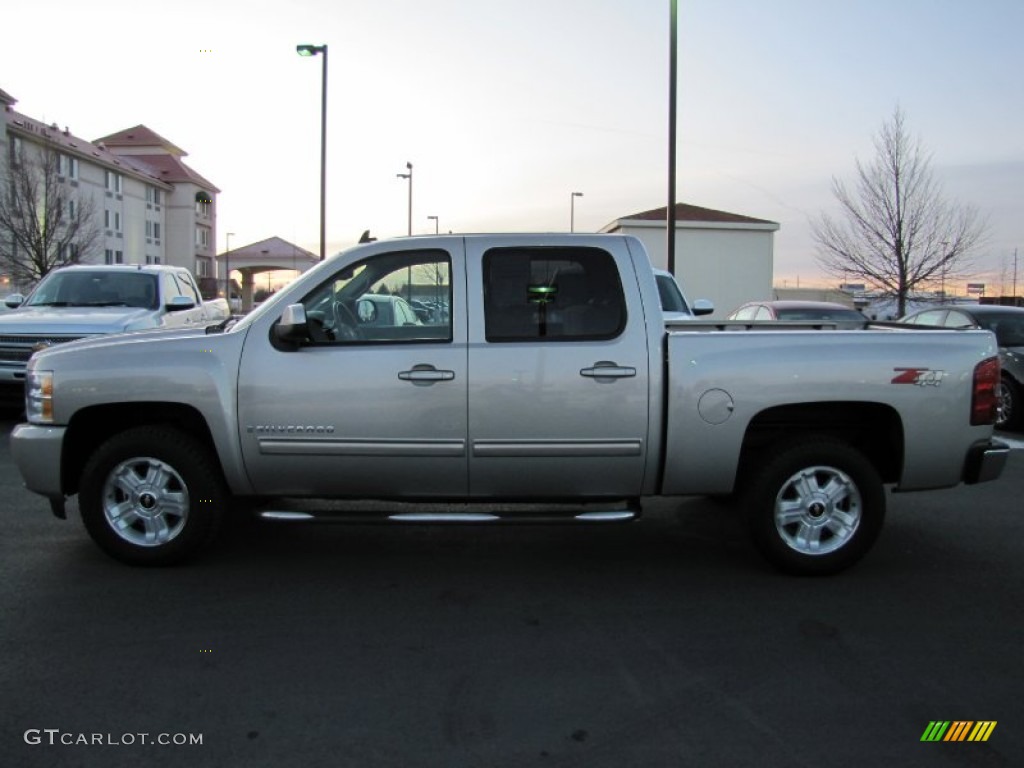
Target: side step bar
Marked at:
532, 517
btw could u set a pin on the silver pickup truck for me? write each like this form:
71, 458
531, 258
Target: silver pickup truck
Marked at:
90, 300
551, 379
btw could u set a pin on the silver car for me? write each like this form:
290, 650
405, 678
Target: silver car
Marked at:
1008, 325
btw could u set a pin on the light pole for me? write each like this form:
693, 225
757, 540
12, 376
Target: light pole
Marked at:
227, 268
572, 210
436, 227
409, 177
313, 50
408, 279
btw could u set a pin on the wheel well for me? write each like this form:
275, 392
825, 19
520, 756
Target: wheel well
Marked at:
873, 429
90, 427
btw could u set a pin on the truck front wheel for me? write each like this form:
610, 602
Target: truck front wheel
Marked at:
152, 495
814, 507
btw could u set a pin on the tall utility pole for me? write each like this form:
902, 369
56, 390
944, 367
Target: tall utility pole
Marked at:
670, 218
572, 210
409, 177
314, 50
1015, 276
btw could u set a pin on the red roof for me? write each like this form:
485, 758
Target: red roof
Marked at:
170, 168
68, 142
687, 212
140, 136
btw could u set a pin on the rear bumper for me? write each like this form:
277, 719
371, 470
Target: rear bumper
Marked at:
37, 454
985, 461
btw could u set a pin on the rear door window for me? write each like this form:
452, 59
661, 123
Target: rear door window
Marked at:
552, 294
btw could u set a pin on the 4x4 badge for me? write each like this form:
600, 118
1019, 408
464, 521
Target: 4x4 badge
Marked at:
922, 377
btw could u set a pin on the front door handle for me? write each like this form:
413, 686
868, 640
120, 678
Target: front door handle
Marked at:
608, 370
423, 375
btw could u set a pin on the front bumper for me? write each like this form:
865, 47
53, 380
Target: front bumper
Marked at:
985, 461
36, 450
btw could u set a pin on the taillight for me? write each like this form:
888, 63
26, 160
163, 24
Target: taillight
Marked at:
985, 393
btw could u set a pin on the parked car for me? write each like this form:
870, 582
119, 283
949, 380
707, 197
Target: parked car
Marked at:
82, 301
673, 303
375, 309
1008, 325
842, 316
549, 382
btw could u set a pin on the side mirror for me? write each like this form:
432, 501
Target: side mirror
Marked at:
14, 301
703, 307
293, 327
178, 303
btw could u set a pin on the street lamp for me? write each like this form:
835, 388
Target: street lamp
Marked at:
409, 177
227, 268
313, 50
436, 227
572, 210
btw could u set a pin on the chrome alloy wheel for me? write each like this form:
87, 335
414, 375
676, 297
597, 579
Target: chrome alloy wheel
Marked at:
1004, 403
145, 501
818, 510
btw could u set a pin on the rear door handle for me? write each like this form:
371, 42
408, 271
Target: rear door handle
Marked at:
608, 370
425, 374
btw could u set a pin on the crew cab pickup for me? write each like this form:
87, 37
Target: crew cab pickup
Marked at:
552, 378
81, 301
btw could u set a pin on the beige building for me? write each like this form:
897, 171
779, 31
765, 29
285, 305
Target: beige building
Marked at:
149, 206
721, 256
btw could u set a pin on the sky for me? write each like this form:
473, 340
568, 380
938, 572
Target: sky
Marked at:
506, 108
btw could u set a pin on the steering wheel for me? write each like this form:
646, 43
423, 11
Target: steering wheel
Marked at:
346, 326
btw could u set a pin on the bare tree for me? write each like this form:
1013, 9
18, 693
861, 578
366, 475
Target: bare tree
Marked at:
897, 232
44, 223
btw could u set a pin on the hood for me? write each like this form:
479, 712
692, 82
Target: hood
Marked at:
150, 336
75, 321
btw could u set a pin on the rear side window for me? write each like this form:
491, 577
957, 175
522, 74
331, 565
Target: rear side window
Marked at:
552, 294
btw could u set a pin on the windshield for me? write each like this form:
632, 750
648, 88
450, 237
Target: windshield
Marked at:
1008, 328
671, 297
808, 313
102, 288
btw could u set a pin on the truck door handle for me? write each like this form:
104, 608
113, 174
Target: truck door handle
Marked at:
425, 374
608, 370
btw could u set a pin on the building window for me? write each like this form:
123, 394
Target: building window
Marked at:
204, 203
15, 148
106, 218
68, 253
152, 259
202, 267
113, 181
117, 221
152, 196
67, 166
72, 208
202, 237
156, 231
113, 257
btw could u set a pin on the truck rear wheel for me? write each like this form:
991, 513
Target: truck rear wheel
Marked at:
814, 507
152, 495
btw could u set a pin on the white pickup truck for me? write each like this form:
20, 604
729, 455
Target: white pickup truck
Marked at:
90, 300
552, 378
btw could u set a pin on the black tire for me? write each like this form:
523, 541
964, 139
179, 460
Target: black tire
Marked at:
1009, 413
814, 507
164, 487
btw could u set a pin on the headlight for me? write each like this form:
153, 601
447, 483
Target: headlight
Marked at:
39, 397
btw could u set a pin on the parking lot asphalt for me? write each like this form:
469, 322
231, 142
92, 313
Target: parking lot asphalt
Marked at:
664, 642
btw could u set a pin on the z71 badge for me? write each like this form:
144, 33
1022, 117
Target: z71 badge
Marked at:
922, 377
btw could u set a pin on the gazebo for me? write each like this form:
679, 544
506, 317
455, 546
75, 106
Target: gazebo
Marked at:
265, 256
